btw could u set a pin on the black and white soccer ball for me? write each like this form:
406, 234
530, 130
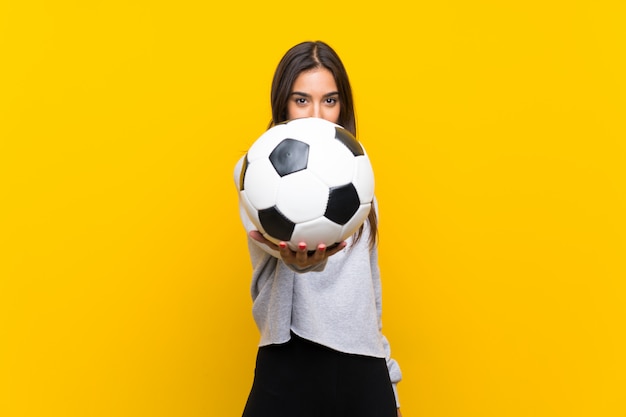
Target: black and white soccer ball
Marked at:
307, 180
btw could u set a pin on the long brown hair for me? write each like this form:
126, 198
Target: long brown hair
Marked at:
306, 56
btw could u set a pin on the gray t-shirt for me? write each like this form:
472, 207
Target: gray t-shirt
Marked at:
336, 304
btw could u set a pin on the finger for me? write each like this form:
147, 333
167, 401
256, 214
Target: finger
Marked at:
320, 253
302, 255
286, 254
256, 235
337, 248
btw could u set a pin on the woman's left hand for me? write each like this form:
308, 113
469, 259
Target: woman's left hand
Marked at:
301, 258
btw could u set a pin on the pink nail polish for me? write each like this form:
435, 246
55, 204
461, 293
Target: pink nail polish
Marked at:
302, 246
282, 245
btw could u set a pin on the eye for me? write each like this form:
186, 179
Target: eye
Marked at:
331, 101
300, 100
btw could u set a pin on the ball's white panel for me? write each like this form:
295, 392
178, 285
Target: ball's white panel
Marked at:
261, 184
310, 129
331, 161
302, 196
357, 220
314, 232
250, 210
264, 145
363, 179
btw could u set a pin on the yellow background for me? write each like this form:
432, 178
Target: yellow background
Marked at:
497, 132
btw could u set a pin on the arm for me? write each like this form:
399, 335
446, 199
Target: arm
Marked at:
395, 374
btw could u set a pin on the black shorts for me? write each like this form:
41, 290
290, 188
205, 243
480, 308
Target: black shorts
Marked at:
303, 379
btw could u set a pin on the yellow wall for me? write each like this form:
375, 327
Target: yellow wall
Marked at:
497, 131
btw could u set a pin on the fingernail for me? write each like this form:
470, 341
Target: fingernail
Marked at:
302, 246
322, 247
283, 245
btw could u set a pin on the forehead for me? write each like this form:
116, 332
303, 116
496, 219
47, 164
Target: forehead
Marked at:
315, 80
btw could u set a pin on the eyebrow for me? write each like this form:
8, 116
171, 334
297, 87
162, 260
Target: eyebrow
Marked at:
299, 93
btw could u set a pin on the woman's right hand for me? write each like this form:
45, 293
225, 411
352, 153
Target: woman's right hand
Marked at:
301, 258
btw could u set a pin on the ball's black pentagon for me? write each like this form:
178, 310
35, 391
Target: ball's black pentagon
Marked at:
244, 168
276, 224
343, 203
345, 137
290, 156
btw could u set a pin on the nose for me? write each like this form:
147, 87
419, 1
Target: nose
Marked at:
316, 111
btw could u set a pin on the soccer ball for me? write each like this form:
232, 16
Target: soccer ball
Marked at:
307, 180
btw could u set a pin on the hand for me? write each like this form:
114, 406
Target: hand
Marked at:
301, 258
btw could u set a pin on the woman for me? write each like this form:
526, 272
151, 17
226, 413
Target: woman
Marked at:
321, 352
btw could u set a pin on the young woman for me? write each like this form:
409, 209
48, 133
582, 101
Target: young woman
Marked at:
321, 351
